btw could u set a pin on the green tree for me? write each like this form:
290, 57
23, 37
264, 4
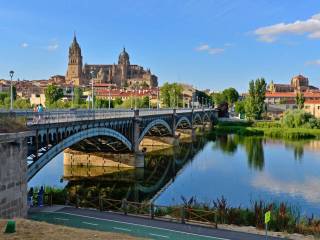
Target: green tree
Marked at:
77, 98
118, 101
254, 106
240, 107
218, 98
230, 95
300, 100
103, 103
145, 101
21, 103
171, 94
53, 94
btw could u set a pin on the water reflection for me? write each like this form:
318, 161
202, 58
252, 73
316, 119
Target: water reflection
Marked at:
134, 184
253, 146
241, 169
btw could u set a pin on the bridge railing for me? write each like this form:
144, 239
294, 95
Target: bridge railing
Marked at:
75, 115
150, 112
62, 116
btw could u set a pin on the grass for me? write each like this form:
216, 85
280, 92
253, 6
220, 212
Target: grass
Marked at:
34, 230
268, 129
11, 125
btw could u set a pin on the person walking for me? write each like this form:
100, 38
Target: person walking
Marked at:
40, 197
40, 110
30, 197
35, 110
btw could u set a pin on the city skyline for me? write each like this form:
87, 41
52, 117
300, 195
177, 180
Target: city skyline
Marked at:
209, 44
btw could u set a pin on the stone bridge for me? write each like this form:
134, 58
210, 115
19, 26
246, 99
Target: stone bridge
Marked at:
104, 130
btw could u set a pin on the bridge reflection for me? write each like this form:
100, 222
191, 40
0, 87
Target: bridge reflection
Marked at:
134, 184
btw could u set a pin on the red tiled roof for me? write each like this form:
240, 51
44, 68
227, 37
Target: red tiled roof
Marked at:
312, 102
292, 94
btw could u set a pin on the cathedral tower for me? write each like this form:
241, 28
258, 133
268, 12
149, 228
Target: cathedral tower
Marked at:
74, 73
124, 64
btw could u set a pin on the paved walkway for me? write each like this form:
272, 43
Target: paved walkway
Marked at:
135, 226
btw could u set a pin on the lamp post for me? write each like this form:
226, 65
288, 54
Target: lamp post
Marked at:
92, 75
158, 98
11, 90
72, 85
135, 97
109, 96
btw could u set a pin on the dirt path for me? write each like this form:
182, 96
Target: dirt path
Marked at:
33, 230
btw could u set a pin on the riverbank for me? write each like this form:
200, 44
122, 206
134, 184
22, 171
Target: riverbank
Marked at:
267, 129
35, 230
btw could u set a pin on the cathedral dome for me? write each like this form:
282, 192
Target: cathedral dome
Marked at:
124, 57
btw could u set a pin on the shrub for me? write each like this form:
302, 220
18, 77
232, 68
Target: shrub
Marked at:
296, 119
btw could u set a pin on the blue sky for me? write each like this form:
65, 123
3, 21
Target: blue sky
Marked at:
211, 44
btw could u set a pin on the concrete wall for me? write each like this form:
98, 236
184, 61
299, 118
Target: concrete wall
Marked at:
13, 175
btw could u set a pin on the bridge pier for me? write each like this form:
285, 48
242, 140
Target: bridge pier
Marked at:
139, 159
13, 174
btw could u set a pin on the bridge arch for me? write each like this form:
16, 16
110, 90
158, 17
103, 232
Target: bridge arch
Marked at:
183, 119
206, 117
197, 118
153, 124
71, 140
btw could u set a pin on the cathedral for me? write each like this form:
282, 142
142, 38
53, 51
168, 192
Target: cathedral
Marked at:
121, 75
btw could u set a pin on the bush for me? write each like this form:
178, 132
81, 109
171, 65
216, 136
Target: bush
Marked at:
264, 124
297, 118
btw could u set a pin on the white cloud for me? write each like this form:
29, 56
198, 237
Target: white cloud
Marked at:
53, 46
306, 189
311, 27
209, 50
24, 45
314, 62
215, 50
203, 47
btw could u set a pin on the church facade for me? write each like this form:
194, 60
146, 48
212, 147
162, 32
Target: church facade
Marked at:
120, 75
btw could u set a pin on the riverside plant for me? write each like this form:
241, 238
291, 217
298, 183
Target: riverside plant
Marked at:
284, 217
268, 129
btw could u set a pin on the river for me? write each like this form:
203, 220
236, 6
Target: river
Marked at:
242, 169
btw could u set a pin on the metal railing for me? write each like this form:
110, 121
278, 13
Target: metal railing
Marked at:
182, 214
73, 115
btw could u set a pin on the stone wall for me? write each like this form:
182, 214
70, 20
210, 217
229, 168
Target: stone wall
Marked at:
13, 175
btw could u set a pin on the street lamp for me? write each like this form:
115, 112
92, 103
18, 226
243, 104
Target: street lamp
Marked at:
109, 95
158, 98
135, 97
72, 86
92, 76
11, 90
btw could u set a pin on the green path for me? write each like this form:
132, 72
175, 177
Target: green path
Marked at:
114, 226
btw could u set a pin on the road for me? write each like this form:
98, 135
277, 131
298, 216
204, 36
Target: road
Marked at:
136, 226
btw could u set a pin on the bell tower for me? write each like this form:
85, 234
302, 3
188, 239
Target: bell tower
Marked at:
124, 64
74, 73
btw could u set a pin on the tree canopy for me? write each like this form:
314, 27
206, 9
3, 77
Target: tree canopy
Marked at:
171, 94
231, 95
254, 103
53, 94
